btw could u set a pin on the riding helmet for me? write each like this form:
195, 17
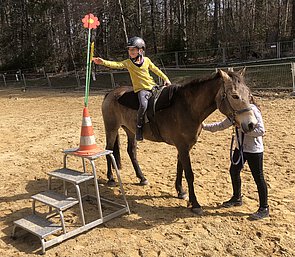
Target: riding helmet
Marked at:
136, 42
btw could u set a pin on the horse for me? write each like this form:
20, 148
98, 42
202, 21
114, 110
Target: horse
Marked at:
180, 123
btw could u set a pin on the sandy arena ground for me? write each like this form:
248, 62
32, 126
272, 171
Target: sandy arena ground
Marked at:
37, 125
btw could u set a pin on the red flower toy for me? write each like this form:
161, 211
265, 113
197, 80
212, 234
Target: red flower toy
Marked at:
90, 21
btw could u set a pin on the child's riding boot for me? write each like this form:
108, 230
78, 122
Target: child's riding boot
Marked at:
139, 126
139, 136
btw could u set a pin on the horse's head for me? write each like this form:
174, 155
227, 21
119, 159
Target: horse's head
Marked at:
234, 99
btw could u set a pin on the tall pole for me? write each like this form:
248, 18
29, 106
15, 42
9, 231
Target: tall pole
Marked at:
88, 65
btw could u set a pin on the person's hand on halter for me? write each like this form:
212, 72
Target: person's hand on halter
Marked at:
97, 60
236, 124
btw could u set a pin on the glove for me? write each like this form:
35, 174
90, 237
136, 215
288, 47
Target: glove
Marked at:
167, 83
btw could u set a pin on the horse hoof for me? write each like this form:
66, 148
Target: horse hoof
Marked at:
144, 182
111, 183
182, 196
198, 210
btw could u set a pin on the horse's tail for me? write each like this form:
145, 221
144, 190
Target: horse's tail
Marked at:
116, 152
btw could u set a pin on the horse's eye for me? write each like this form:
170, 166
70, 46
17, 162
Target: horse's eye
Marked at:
236, 97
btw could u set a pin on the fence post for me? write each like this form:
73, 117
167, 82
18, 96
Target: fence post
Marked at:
4, 80
93, 76
48, 80
24, 79
44, 73
176, 60
278, 50
112, 79
293, 77
78, 78
223, 55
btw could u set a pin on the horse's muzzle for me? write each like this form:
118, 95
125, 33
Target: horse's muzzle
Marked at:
247, 121
248, 126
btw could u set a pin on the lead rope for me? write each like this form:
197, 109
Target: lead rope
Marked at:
240, 144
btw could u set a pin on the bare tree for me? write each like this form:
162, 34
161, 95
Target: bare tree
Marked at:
140, 19
123, 21
293, 21
69, 44
50, 32
215, 29
152, 10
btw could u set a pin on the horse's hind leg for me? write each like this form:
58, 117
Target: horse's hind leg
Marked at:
111, 181
132, 152
178, 182
184, 158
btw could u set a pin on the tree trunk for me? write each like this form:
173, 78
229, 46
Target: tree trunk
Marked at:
183, 18
258, 18
152, 5
140, 19
293, 20
123, 21
69, 43
286, 15
105, 30
215, 24
166, 23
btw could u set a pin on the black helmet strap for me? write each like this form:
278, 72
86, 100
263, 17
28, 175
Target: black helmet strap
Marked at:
134, 60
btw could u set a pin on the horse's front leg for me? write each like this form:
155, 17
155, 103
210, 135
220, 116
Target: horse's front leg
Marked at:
132, 152
178, 182
184, 157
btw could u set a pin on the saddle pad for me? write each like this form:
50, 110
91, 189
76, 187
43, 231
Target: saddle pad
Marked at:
130, 99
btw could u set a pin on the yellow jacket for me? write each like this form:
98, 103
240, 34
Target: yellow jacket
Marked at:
140, 76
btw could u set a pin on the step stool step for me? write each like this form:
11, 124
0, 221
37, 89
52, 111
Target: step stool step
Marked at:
38, 226
55, 200
71, 176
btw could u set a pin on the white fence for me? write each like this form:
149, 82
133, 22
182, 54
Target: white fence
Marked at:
293, 75
261, 76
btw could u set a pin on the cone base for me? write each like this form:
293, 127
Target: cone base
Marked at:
93, 151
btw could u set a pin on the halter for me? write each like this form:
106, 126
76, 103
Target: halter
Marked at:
232, 117
233, 112
134, 60
240, 144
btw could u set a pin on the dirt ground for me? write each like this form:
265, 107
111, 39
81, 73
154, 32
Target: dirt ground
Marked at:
37, 125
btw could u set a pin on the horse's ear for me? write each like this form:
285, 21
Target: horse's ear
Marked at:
223, 74
242, 71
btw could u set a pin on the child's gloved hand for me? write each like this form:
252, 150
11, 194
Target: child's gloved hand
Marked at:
167, 83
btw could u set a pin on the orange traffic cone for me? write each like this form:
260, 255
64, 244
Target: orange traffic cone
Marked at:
87, 139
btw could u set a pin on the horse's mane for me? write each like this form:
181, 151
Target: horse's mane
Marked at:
194, 83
